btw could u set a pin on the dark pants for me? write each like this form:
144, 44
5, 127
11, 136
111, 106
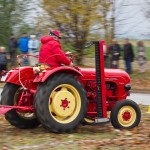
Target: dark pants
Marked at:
13, 58
2, 67
114, 64
128, 64
106, 61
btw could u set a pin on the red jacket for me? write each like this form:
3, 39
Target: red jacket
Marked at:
51, 52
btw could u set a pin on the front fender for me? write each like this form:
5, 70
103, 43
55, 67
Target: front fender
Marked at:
65, 69
26, 74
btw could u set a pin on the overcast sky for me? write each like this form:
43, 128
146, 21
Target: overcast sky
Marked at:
134, 24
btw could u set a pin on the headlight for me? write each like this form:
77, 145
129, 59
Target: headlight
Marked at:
127, 87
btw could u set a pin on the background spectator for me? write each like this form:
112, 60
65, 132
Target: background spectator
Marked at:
128, 56
106, 56
12, 45
33, 46
23, 46
141, 56
114, 51
3, 59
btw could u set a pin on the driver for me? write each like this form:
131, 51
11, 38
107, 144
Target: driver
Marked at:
51, 52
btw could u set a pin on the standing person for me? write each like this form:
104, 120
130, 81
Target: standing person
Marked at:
106, 56
33, 46
23, 46
12, 45
114, 51
141, 56
128, 56
3, 59
51, 52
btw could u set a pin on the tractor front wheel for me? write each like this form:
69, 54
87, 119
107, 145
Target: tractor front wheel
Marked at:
61, 103
125, 114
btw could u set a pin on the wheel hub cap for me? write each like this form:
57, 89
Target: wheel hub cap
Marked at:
63, 103
126, 116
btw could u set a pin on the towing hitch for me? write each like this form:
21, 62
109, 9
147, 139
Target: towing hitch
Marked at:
4, 109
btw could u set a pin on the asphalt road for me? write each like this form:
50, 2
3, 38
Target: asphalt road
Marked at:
139, 98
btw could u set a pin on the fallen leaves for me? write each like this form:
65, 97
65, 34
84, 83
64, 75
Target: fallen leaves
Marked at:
140, 81
86, 137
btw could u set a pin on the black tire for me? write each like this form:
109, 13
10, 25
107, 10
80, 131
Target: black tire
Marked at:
12, 116
125, 114
51, 118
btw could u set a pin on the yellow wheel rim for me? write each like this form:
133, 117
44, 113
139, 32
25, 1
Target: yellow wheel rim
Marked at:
64, 103
88, 120
126, 116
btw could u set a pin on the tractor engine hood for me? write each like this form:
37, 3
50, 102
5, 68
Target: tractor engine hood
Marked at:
110, 74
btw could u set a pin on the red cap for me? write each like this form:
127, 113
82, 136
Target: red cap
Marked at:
56, 33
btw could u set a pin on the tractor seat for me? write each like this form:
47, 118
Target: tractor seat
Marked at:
43, 66
40, 67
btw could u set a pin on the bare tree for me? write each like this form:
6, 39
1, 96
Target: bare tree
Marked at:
122, 16
74, 18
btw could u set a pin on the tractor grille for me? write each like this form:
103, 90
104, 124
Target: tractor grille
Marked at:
98, 81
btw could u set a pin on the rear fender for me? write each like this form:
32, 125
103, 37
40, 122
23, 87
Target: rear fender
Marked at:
42, 77
26, 74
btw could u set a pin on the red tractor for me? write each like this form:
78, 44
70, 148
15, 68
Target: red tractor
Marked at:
64, 97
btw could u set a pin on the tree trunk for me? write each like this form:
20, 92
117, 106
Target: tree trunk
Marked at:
79, 46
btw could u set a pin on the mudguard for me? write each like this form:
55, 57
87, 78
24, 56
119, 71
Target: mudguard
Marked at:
26, 74
65, 69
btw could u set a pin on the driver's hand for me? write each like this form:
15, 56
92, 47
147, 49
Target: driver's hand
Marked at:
116, 53
71, 64
68, 52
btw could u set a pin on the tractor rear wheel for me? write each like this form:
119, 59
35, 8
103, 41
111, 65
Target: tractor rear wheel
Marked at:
10, 95
61, 103
125, 114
